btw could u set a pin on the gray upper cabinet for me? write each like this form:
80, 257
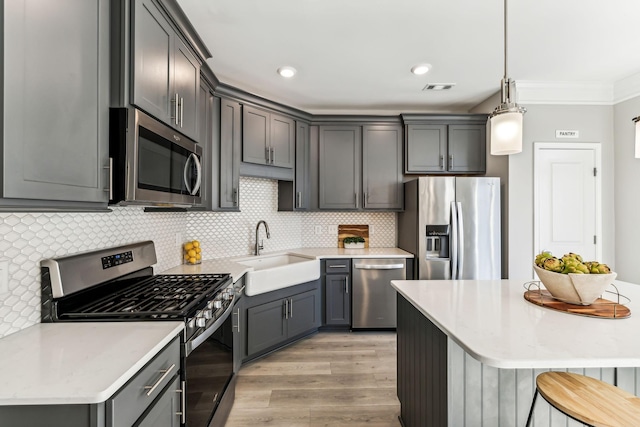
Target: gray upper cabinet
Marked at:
56, 104
208, 192
268, 138
339, 173
382, 167
426, 148
166, 75
230, 146
360, 167
295, 195
445, 144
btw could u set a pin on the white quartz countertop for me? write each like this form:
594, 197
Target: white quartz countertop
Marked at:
493, 322
77, 363
236, 270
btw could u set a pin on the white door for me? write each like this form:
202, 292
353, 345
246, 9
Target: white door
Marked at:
567, 199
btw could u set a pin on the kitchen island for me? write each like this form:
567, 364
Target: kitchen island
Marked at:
469, 351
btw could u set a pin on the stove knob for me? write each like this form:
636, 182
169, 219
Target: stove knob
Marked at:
217, 304
207, 314
227, 295
210, 305
201, 322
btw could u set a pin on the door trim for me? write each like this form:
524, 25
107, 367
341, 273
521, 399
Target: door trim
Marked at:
537, 148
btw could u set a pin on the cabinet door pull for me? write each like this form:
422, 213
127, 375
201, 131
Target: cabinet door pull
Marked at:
235, 197
286, 309
175, 109
337, 266
237, 325
346, 286
181, 112
441, 161
183, 403
299, 199
364, 200
165, 372
109, 168
450, 161
268, 155
290, 308
355, 196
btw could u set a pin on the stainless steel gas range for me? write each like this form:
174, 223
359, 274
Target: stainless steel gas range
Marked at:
118, 284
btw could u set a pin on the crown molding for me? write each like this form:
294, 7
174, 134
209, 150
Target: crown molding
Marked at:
627, 88
582, 93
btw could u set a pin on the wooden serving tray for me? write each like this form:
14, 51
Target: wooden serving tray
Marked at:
601, 308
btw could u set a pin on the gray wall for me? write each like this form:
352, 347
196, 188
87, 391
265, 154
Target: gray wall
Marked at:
627, 192
595, 124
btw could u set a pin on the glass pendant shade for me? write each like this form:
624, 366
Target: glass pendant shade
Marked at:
506, 133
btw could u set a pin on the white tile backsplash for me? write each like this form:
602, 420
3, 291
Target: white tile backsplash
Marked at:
28, 238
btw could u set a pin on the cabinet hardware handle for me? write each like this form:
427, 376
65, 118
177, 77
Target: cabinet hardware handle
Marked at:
237, 325
165, 372
175, 109
215, 398
299, 199
181, 112
109, 167
273, 155
235, 197
183, 403
286, 309
346, 286
441, 161
290, 308
337, 266
450, 161
268, 155
364, 200
355, 196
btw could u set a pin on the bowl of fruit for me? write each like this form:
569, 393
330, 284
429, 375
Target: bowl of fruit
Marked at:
572, 280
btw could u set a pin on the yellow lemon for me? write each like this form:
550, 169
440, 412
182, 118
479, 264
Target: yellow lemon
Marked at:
192, 260
196, 244
192, 253
188, 246
198, 250
198, 256
186, 256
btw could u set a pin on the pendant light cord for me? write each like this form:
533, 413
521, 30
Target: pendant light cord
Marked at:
505, 39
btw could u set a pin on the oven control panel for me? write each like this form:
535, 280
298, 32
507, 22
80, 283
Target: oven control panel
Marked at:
116, 259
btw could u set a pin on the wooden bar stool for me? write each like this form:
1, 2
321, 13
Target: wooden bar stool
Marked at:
588, 400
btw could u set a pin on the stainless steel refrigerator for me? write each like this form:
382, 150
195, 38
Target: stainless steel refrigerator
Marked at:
452, 225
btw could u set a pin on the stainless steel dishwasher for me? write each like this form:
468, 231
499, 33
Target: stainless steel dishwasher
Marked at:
373, 297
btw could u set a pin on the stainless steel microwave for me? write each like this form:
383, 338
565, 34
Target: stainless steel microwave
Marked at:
150, 163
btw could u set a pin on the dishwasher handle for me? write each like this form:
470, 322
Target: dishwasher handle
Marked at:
379, 266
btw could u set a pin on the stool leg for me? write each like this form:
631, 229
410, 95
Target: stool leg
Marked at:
533, 402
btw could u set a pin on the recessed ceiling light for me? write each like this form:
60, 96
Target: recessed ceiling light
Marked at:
420, 69
287, 72
438, 86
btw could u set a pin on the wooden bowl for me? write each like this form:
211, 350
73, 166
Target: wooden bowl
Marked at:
580, 289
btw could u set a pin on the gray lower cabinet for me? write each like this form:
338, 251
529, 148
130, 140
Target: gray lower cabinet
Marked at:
165, 73
295, 195
276, 318
360, 167
337, 291
55, 126
268, 138
152, 397
445, 144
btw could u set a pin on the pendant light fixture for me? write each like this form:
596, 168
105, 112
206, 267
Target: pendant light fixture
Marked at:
506, 120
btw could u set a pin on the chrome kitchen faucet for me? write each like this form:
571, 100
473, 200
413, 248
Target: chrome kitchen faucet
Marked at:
260, 245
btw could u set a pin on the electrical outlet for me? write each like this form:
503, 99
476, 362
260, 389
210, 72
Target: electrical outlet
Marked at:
4, 276
332, 229
371, 230
318, 229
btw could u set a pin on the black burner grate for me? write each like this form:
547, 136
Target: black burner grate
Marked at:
162, 296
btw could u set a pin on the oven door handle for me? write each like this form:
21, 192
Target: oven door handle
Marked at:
192, 344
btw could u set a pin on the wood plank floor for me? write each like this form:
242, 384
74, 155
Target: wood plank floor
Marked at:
328, 379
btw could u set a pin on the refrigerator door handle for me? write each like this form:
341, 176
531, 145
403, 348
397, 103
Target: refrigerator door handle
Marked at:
454, 241
460, 240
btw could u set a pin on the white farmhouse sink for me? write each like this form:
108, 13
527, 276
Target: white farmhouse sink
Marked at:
277, 271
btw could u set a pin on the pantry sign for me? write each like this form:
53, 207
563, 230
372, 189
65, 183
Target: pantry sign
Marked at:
567, 134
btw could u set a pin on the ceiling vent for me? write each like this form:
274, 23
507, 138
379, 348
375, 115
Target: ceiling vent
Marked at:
439, 86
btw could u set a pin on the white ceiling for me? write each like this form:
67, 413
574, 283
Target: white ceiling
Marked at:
355, 55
